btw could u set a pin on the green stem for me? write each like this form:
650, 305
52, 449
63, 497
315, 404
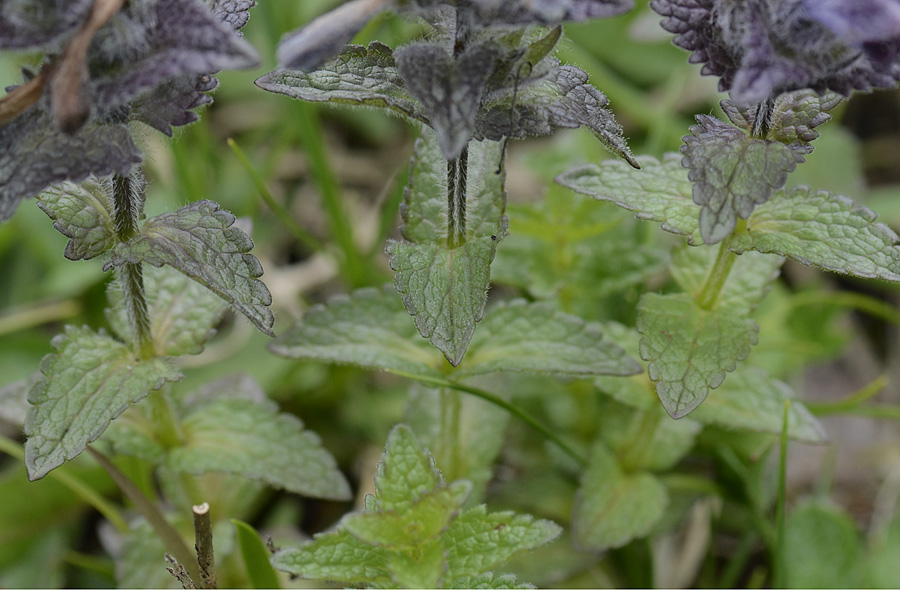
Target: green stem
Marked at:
778, 554
38, 314
451, 408
709, 294
308, 240
165, 425
500, 403
311, 138
161, 526
851, 403
125, 218
73, 483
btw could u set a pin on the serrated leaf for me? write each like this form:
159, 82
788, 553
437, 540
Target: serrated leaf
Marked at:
478, 540
791, 120
445, 288
449, 87
81, 212
367, 328
262, 444
732, 173
405, 473
487, 581
335, 556
468, 453
35, 154
183, 313
825, 230
419, 568
256, 557
689, 349
405, 529
90, 381
612, 508
562, 100
537, 338
360, 76
749, 399
660, 191
201, 241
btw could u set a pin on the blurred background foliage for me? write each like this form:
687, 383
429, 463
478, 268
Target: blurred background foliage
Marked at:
340, 174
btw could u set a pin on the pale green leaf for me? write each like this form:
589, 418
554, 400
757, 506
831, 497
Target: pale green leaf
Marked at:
444, 288
251, 439
470, 451
646, 439
418, 568
748, 281
201, 241
612, 507
360, 76
183, 313
404, 529
732, 173
537, 338
82, 213
367, 328
335, 556
659, 191
750, 400
90, 381
825, 230
821, 548
141, 563
689, 349
488, 581
477, 540
406, 472
131, 434
256, 557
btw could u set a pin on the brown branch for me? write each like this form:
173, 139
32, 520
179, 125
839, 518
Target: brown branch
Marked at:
177, 571
67, 102
23, 97
204, 546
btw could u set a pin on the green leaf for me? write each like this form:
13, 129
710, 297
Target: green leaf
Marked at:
750, 400
240, 435
646, 439
336, 556
81, 212
360, 76
183, 313
412, 533
825, 230
140, 562
444, 287
367, 328
612, 507
793, 118
821, 548
256, 558
690, 349
660, 191
90, 381
470, 451
537, 338
732, 173
406, 472
478, 540
201, 241
487, 581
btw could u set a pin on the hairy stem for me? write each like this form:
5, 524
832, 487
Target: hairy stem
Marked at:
125, 218
166, 532
763, 120
457, 181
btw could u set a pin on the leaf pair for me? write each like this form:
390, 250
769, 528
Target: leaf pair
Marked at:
414, 532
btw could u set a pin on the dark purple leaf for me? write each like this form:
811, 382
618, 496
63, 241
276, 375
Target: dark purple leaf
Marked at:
32, 24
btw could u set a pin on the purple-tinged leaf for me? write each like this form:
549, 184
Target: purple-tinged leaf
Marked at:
34, 155
547, 12
449, 88
32, 24
323, 38
857, 21
234, 13
732, 173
